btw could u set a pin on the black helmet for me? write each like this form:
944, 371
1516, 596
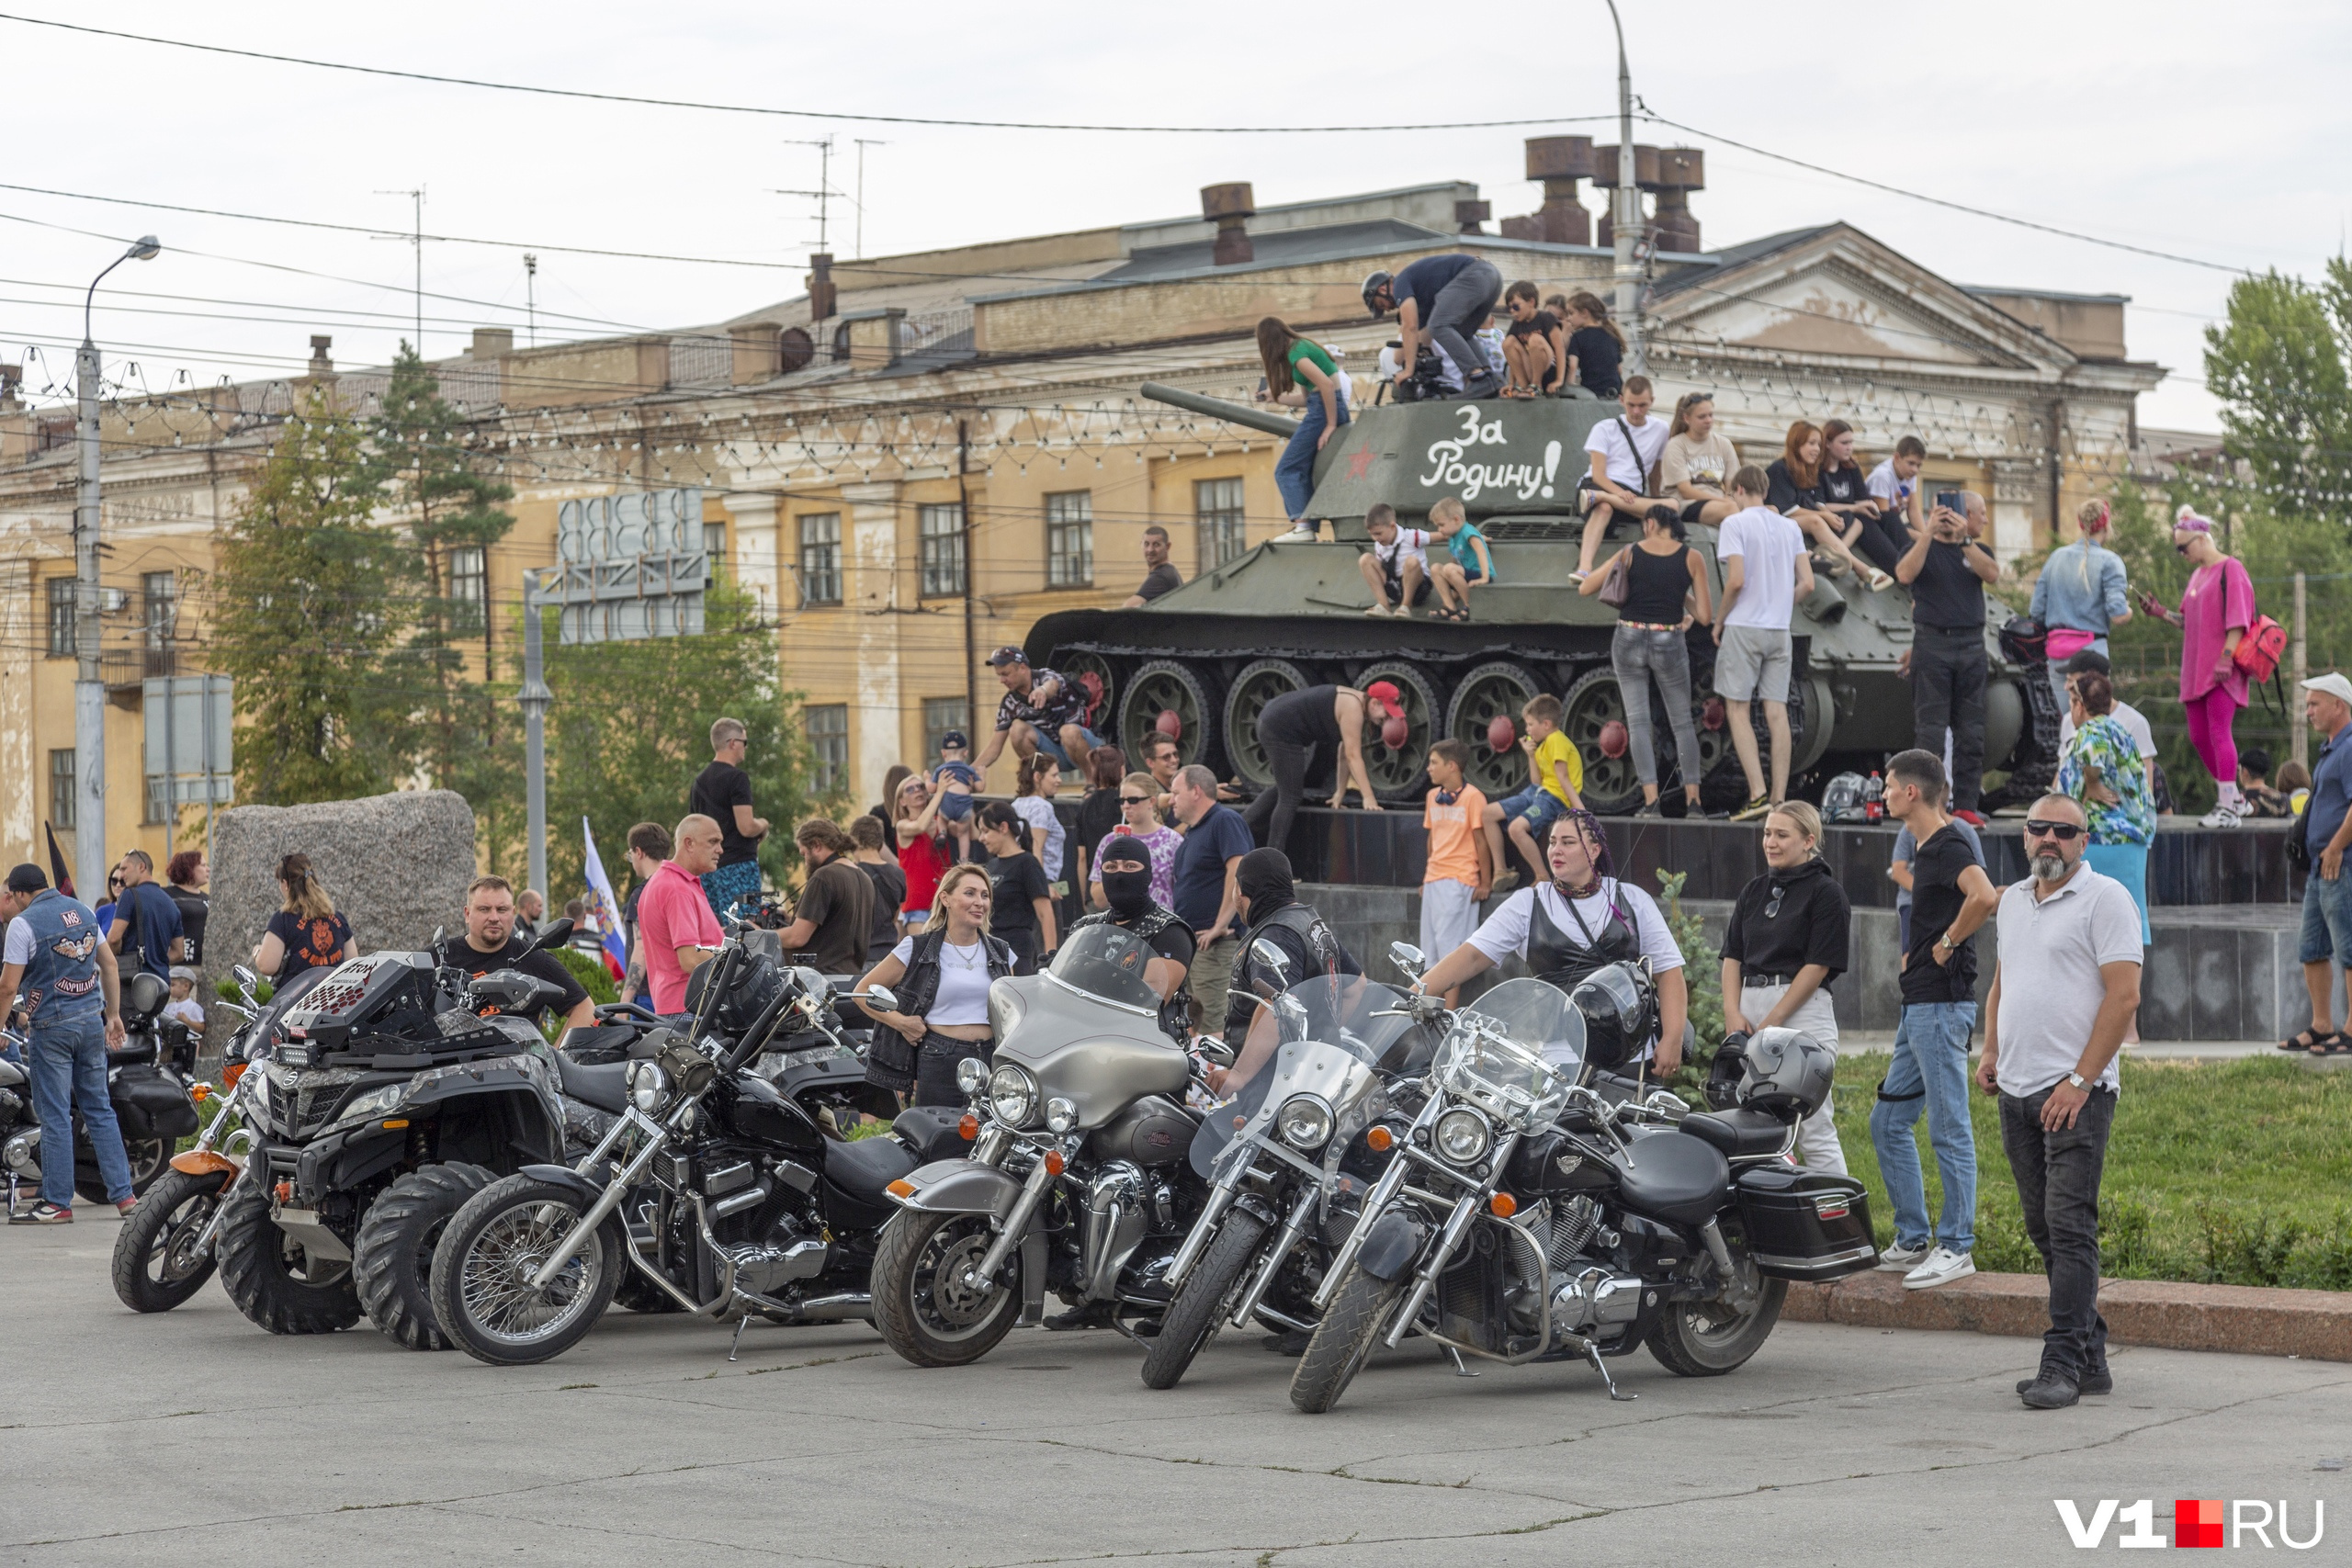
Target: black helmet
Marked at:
1372, 286
1727, 1072
1619, 1005
1789, 1074
757, 980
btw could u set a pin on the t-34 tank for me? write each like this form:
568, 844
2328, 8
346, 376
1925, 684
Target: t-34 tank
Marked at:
1201, 661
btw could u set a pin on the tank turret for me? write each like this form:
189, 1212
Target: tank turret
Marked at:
1201, 661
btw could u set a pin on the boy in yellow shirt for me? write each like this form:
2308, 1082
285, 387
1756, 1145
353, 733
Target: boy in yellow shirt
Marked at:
1554, 775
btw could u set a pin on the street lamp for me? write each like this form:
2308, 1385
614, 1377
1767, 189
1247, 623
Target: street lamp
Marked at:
89, 685
1625, 223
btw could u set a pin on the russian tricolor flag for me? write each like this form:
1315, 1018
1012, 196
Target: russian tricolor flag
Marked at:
603, 907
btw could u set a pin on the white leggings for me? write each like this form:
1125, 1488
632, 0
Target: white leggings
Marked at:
1817, 1143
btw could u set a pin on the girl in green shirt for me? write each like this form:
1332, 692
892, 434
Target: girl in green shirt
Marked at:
1300, 373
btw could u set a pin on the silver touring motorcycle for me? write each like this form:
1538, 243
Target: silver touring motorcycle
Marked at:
1524, 1216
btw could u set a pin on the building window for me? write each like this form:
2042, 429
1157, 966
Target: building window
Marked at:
829, 741
820, 560
61, 788
942, 530
941, 715
468, 586
159, 606
1216, 512
714, 545
159, 800
1069, 539
61, 617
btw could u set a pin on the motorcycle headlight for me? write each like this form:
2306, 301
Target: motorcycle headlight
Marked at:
972, 1075
1060, 1115
1012, 1095
1463, 1135
1305, 1122
375, 1103
647, 1084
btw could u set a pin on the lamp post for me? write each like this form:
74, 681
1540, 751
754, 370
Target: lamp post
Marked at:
536, 699
89, 684
1625, 223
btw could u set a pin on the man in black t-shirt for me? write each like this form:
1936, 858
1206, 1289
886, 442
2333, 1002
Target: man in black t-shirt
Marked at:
833, 923
722, 792
491, 944
1947, 568
1158, 576
1951, 897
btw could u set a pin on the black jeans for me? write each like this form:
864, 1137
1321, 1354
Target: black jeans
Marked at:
1884, 542
936, 1060
1948, 673
1270, 815
2057, 1175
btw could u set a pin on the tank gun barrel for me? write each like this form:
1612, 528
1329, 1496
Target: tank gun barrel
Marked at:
1217, 408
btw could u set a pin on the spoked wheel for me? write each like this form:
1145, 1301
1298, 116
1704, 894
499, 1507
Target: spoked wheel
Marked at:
1490, 692
150, 1158
1343, 1340
1400, 772
1258, 683
1594, 722
1707, 1339
926, 1308
1209, 1295
482, 1270
1164, 687
157, 1264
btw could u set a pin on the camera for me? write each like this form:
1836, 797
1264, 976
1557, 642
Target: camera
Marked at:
1427, 383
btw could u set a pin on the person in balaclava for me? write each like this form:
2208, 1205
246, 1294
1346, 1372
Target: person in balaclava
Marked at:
1125, 868
1269, 903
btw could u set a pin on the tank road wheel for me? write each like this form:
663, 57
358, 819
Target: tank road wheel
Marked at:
1401, 775
1092, 671
1490, 692
1258, 685
1594, 722
1169, 685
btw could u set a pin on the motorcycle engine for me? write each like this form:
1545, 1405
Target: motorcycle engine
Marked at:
21, 1156
769, 1267
1595, 1301
12, 1105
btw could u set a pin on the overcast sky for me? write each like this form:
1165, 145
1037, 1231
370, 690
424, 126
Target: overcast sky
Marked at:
2179, 128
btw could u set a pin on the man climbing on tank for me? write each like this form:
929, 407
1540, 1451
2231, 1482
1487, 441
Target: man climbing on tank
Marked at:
1296, 726
1042, 711
1444, 300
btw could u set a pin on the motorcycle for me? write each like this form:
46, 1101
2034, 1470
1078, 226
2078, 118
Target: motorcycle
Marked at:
1289, 1157
715, 1191
1525, 1216
1077, 1181
147, 1084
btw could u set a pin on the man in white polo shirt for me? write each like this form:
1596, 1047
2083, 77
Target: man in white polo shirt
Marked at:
2067, 984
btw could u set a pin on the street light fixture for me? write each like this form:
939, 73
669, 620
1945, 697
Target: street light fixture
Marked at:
89, 685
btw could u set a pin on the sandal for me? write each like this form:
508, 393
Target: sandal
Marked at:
2309, 1040
2335, 1045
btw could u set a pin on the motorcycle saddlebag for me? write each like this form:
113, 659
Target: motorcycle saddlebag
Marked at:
152, 1105
1802, 1225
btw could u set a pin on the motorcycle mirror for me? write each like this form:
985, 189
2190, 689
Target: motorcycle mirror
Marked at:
557, 933
1271, 956
882, 997
440, 935
1407, 958
243, 976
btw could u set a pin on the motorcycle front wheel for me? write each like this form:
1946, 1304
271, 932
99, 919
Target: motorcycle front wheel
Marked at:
156, 1266
1706, 1339
922, 1305
482, 1294
1343, 1340
1200, 1308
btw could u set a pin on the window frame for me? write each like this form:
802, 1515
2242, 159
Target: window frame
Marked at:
1060, 574
814, 578
959, 706
827, 777
62, 617
1210, 523
63, 788
937, 579
468, 609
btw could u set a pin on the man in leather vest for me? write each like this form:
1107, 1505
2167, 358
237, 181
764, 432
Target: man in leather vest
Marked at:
1308, 946
1126, 867
73, 998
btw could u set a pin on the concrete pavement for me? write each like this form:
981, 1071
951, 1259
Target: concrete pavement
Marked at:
136, 1439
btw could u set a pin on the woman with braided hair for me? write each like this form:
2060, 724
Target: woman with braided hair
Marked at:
2081, 593
1581, 920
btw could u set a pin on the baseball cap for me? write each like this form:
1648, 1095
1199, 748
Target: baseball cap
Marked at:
956, 738
1386, 691
2333, 683
1006, 655
27, 877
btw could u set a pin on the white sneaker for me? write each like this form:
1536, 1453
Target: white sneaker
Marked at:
2220, 817
1901, 1259
1942, 1266
1299, 535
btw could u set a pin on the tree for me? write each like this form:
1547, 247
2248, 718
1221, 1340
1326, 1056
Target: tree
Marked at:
2281, 366
312, 609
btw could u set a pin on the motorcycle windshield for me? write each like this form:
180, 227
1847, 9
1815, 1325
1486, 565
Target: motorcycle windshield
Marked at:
1332, 1019
1107, 964
1514, 1052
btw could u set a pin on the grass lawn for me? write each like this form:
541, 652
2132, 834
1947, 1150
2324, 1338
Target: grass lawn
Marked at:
2237, 1172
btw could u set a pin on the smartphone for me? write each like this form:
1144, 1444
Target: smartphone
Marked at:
1950, 500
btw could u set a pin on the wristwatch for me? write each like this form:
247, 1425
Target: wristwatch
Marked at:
2077, 1080
1946, 942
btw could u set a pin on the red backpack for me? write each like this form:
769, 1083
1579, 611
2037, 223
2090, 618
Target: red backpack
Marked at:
2260, 650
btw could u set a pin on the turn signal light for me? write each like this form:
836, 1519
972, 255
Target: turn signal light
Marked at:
285, 1190
1503, 1204
1053, 1162
1379, 1140
401, 1122
231, 1074
901, 1187
968, 1128
201, 1092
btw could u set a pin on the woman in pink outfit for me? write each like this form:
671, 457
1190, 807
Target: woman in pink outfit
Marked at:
2213, 615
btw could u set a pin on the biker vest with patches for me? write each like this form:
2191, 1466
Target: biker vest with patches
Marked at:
1321, 945
61, 983
919, 987
1557, 958
1175, 1013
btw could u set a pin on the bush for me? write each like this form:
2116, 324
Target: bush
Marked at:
1702, 976
594, 977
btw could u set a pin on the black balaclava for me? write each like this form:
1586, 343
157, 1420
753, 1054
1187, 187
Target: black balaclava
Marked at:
1263, 879
1127, 892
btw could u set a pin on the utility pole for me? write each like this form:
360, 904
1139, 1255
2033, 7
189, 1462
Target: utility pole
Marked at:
963, 516
89, 678
416, 243
2300, 732
1626, 221
536, 698
531, 293
863, 143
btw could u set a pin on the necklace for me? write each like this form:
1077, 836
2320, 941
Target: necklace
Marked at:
976, 950
1572, 894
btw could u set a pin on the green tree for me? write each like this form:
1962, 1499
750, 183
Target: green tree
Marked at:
312, 609
2281, 365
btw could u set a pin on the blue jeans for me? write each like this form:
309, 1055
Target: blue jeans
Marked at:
2327, 921
70, 1069
1538, 805
1930, 1073
1294, 473
1051, 745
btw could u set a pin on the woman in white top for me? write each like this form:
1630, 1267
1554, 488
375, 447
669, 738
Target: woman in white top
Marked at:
941, 977
1033, 801
1581, 920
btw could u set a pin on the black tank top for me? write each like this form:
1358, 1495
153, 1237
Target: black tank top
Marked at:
1655, 587
1559, 958
1303, 718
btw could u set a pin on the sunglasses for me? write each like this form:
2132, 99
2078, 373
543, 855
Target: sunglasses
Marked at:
1134, 800
2181, 549
2064, 832
1772, 905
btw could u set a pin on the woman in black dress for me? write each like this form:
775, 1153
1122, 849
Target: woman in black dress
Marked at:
1020, 901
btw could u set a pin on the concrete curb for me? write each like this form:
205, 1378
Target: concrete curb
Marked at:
2314, 1324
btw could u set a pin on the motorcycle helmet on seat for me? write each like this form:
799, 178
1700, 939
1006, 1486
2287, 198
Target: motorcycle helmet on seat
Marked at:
1788, 1073
1619, 1005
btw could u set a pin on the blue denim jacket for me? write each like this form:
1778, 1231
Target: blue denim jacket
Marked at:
2081, 587
62, 984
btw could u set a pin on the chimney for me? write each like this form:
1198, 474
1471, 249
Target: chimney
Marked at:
11, 378
1681, 171
1469, 215
1231, 208
758, 352
820, 286
1604, 177
1559, 162
492, 341
320, 363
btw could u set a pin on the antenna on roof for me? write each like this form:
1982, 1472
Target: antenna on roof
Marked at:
824, 191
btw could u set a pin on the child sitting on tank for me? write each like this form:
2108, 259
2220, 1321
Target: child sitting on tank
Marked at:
955, 778
1468, 564
1532, 349
1396, 567
1555, 778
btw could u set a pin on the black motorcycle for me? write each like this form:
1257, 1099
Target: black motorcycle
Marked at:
714, 1190
147, 1084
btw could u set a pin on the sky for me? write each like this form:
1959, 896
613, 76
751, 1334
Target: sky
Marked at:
2153, 124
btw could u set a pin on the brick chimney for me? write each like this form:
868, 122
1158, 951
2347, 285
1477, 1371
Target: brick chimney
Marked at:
1470, 215
320, 363
1681, 171
1230, 206
1559, 162
1604, 179
491, 341
822, 293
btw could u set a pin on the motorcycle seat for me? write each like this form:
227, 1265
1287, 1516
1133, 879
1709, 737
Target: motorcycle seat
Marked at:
603, 1085
864, 1167
1673, 1177
1740, 1133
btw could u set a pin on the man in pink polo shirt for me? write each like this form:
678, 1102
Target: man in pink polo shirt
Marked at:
676, 931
